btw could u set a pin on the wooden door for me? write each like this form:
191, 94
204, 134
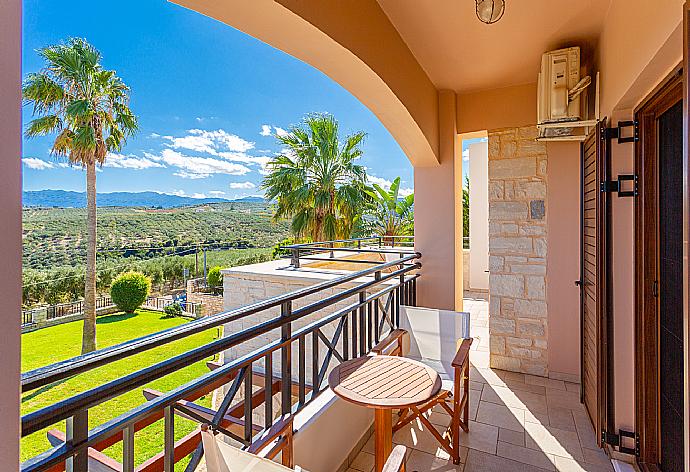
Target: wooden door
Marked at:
594, 278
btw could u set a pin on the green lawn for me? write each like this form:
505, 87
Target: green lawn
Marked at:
50, 345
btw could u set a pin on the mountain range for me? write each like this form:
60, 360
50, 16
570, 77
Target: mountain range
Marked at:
70, 199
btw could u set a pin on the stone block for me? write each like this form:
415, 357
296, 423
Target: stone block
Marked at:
498, 325
494, 147
516, 168
497, 345
509, 190
529, 189
495, 190
515, 259
507, 285
536, 287
541, 168
532, 229
496, 263
531, 328
534, 368
515, 351
508, 149
530, 308
504, 363
540, 247
508, 211
509, 228
528, 132
530, 269
530, 147
522, 342
537, 210
510, 245
494, 305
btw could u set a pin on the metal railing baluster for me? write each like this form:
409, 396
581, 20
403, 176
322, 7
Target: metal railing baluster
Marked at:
286, 359
128, 449
169, 439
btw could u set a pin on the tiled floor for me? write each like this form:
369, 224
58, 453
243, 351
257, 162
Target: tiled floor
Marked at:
518, 423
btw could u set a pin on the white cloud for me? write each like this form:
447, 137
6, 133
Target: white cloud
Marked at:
210, 142
194, 167
182, 193
386, 185
37, 164
242, 185
154, 135
216, 193
277, 130
466, 155
119, 161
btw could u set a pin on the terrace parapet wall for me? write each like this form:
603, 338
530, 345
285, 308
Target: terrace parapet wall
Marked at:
517, 251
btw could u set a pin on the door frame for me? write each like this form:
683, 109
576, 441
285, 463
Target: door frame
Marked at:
646, 230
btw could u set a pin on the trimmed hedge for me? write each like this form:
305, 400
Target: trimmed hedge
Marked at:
214, 278
129, 291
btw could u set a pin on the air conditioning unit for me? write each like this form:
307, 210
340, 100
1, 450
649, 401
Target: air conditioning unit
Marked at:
559, 86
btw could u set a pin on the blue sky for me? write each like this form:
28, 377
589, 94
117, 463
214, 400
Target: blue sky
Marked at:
208, 99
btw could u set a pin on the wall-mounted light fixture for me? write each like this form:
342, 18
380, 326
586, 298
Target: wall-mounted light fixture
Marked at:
490, 11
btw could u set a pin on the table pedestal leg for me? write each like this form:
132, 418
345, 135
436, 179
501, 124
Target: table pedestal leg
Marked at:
383, 441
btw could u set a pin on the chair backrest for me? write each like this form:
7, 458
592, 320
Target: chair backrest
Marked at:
433, 334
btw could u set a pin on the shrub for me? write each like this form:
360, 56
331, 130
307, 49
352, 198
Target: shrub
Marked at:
129, 290
214, 278
174, 309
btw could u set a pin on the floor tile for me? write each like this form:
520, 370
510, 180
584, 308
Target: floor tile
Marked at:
596, 456
511, 437
563, 464
515, 398
482, 437
561, 418
478, 461
416, 436
500, 415
563, 399
419, 461
546, 382
553, 441
584, 430
364, 462
525, 455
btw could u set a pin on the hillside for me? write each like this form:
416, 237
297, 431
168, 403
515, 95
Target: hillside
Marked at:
56, 237
68, 199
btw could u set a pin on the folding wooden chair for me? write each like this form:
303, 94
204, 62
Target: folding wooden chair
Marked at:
455, 403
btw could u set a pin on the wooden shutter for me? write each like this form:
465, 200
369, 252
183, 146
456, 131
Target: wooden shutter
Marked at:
594, 280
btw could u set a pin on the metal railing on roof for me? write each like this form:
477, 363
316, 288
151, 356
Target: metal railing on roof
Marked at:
395, 245
358, 326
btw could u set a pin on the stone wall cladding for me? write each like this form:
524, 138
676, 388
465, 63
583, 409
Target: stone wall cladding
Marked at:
517, 251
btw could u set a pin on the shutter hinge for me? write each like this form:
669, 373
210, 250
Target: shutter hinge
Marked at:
617, 132
617, 185
616, 440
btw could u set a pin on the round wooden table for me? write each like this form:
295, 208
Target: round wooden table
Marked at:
384, 383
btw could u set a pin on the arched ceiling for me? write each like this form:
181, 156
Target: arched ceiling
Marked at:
458, 52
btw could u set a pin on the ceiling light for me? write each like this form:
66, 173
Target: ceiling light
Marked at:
490, 11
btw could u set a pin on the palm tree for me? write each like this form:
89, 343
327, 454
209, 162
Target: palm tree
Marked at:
316, 182
392, 216
87, 108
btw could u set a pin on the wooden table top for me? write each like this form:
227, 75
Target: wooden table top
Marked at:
384, 381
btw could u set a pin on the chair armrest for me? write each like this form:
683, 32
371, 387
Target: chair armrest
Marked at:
281, 426
394, 336
396, 461
463, 353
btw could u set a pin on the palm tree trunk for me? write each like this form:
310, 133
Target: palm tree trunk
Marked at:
88, 342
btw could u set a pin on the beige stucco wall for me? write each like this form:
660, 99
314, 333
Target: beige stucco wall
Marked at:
563, 259
10, 237
436, 228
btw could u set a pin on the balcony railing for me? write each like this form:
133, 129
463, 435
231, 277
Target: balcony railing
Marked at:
396, 245
378, 292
